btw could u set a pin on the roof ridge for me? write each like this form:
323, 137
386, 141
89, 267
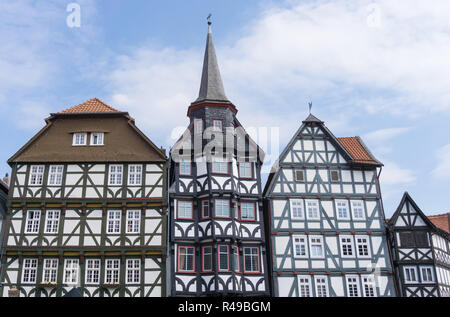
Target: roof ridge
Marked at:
93, 105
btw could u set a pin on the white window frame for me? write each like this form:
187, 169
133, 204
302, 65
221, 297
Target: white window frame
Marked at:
220, 251
100, 139
77, 141
355, 207
342, 204
348, 244
133, 221
198, 126
135, 174
33, 224
321, 286
315, 216
29, 266
184, 206
359, 243
36, 175
71, 267
236, 264
252, 260
93, 268
50, 271
315, 243
338, 176
248, 210
217, 127
115, 176
304, 286
113, 223
300, 245
219, 212
55, 175
112, 271
354, 282
52, 218
414, 269
245, 170
187, 254
133, 271
296, 204
207, 254
427, 267
368, 285
219, 166
185, 168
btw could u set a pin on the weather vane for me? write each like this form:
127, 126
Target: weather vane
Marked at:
209, 18
310, 106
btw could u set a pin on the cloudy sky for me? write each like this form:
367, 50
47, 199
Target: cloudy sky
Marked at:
376, 69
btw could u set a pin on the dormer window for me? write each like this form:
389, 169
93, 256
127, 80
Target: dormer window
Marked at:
79, 139
97, 138
217, 125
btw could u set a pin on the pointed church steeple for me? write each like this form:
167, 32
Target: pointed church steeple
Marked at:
211, 86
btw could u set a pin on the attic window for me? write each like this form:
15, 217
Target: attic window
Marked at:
97, 138
299, 176
217, 125
79, 139
335, 176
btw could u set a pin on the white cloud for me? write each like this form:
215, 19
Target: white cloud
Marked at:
382, 135
442, 170
393, 174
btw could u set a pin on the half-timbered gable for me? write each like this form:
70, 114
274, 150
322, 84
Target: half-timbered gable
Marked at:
324, 218
4, 187
216, 221
87, 208
421, 252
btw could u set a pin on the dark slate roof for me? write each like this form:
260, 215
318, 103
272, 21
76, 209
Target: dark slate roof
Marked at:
312, 118
211, 86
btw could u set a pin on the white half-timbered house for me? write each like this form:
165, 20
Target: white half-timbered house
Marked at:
86, 208
324, 219
421, 252
216, 223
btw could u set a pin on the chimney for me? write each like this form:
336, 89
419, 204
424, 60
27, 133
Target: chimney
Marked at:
6, 179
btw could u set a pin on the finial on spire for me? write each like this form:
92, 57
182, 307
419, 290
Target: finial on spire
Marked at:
209, 22
310, 106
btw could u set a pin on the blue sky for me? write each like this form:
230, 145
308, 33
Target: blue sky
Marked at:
377, 69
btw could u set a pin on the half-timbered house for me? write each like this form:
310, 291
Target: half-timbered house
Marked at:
86, 208
3, 198
421, 252
216, 222
325, 218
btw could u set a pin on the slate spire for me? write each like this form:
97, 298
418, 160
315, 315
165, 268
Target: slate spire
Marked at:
211, 86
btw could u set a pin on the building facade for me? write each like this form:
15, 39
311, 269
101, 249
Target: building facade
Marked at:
421, 252
86, 209
325, 218
4, 187
217, 242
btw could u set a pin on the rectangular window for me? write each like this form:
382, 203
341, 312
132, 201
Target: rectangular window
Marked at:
112, 271
421, 239
92, 271
219, 166
29, 271
358, 209
251, 259
113, 221
115, 174
300, 246
186, 259
312, 209
352, 286
347, 246
236, 261
198, 126
97, 138
135, 175
299, 175
245, 170
362, 244
71, 271
321, 286
33, 218
79, 139
406, 239
304, 284
342, 209
222, 208
248, 211
207, 259
316, 246
52, 221
369, 286
185, 168
410, 274
217, 125
50, 271
205, 208
297, 208
224, 258
133, 271
55, 175
334, 176
36, 175
133, 221
185, 210
426, 273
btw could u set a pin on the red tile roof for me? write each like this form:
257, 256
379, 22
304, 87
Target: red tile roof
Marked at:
441, 221
357, 150
93, 105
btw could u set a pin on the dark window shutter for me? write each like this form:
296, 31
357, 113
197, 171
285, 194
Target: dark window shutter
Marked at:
299, 176
406, 239
421, 239
334, 176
